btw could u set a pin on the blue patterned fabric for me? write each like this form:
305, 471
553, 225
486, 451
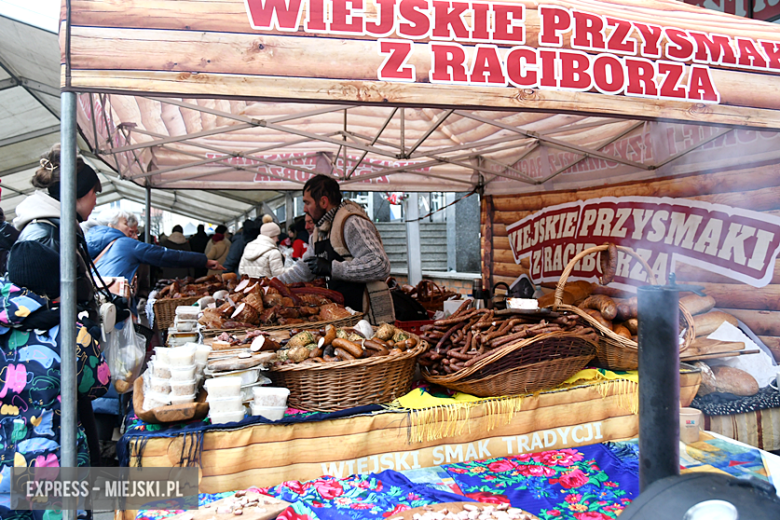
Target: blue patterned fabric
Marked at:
30, 390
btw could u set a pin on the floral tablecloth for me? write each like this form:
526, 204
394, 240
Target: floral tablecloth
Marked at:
589, 483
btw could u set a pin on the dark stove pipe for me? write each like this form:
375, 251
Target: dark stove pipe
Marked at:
659, 384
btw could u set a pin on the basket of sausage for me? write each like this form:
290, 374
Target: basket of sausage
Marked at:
487, 353
334, 368
615, 319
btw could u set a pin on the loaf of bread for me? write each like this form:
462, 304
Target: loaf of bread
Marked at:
705, 324
734, 381
579, 289
696, 304
548, 299
707, 385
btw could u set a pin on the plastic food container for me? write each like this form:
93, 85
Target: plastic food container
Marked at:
225, 404
161, 354
183, 373
226, 417
228, 386
161, 370
185, 325
187, 312
272, 413
270, 396
248, 376
181, 356
247, 393
182, 399
179, 339
184, 387
202, 354
161, 386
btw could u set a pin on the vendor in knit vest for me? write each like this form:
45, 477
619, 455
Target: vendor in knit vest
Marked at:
345, 247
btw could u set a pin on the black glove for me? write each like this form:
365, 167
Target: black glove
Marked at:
122, 308
318, 266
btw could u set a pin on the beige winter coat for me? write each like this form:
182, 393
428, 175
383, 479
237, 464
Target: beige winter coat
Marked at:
261, 258
217, 251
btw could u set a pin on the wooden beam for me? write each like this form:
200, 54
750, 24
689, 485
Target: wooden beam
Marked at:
445, 96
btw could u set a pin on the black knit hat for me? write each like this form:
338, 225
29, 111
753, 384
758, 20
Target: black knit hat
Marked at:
86, 179
36, 267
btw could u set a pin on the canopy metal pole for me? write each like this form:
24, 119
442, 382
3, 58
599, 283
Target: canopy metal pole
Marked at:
68, 252
289, 211
148, 223
413, 257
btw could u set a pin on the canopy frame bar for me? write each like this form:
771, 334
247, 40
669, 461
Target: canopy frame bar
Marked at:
216, 159
373, 141
555, 143
238, 167
609, 142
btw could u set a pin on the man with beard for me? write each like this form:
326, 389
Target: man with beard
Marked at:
346, 249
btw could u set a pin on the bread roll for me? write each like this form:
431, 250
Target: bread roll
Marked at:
734, 381
696, 304
620, 330
705, 324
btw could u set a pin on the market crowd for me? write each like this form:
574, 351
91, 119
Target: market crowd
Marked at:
326, 242
109, 247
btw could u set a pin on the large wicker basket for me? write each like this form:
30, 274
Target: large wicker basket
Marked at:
343, 322
165, 310
613, 351
329, 387
522, 367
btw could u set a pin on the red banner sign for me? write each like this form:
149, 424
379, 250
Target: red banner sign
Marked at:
484, 43
737, 243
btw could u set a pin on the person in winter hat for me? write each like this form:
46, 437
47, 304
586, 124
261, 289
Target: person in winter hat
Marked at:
262, 257
218, 249
32, 346
38, 217
38, 220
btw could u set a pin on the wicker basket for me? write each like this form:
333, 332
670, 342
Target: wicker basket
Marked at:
329, 387
434, 301
523, 367
613, 351
165, 310
343, 322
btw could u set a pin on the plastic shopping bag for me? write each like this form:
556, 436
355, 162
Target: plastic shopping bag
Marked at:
125, 355
287, 253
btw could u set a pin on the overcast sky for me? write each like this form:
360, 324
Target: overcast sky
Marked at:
40, 13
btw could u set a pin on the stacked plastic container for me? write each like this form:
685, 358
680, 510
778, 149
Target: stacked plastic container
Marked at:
185, 326
173, 376
270, 402
224, 397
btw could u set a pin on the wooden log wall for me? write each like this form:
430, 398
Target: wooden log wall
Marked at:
756, 188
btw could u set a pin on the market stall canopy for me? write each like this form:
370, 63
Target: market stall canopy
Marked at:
29, 125
419, 95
